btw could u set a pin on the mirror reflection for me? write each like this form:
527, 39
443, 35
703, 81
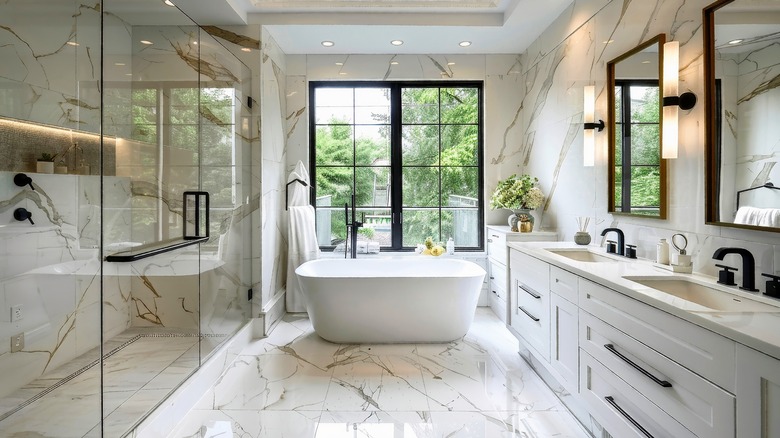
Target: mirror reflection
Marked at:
636, 172
744, 135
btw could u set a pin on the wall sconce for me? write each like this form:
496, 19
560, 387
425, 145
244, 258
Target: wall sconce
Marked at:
589, 132
673, 101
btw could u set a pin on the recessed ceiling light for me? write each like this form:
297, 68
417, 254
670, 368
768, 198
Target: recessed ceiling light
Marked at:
343, 73
393, 62
608, 41
72, 43
339, 63
397, 42
464, 43
733, 42
328, 43
128, 74
246, 49
195, 42
119, 64
147, 42
450, 63
645, 62
169, 3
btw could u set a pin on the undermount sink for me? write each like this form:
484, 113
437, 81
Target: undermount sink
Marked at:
692, 291
581, 255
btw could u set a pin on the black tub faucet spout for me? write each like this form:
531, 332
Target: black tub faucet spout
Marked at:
621, 239
748, 266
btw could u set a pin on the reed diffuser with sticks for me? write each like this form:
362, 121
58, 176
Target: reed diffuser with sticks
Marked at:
581, 237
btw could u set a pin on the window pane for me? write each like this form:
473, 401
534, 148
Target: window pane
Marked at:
618, 143
372, 144
372, 105
184, 105
644, 104
645, 145
645, 188
331, 229
419, 224
459, 145
334, 145
335, 182
461, 224
420, 105
373, 186
459, 105
217, 145
619, 104
334, 105
618, 188
376, 226
420, 145
421, 186
459, 185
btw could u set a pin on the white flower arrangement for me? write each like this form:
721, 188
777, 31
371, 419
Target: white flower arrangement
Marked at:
517, 192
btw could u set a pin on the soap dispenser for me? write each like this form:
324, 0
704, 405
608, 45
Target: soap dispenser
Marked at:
772, 286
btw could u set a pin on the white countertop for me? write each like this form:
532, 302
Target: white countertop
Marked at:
758, 330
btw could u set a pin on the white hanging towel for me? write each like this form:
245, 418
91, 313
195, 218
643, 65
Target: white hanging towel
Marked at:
301, 236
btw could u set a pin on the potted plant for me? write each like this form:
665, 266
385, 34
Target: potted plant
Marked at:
45, 163
521, 195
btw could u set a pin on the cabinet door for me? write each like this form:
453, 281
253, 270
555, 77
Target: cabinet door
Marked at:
564, 354
758, 394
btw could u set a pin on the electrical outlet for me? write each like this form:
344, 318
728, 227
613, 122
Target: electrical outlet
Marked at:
17, 342
17, 313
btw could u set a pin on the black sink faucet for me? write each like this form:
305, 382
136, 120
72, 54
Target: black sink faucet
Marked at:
748, 266
621, 248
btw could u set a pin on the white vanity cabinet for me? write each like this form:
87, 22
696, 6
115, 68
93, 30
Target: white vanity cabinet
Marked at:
498, 263
758, 394
640, 371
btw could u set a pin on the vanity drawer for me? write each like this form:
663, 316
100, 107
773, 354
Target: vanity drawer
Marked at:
702, 351
697, 404
498, 276
563, 283
496, 246
497, 301
622, 410
532, 273
529, 315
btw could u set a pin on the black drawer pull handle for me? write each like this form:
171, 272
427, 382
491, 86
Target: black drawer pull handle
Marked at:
636, 366
528, 314
495, 235
492, 277
614, 404
529, 292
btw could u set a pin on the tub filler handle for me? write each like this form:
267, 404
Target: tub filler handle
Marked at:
21, 214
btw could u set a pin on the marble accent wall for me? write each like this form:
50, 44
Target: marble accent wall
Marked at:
572, 53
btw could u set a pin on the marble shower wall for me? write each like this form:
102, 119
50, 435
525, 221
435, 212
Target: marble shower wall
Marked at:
274, 218
572, 53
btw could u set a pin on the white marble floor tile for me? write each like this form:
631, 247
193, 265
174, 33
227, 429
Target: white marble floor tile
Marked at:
377, 383
296, 384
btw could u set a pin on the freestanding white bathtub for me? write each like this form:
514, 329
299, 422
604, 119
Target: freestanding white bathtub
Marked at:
391, 300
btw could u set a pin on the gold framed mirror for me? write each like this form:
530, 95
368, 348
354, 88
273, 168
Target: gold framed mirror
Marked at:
741, 75
637, 174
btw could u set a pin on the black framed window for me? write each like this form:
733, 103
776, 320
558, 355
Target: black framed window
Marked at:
411, 152
637, 147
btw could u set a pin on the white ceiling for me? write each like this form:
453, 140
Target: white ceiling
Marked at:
367, 27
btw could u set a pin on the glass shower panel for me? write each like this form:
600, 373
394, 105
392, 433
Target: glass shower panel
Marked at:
225, 85
50, 275
151, 305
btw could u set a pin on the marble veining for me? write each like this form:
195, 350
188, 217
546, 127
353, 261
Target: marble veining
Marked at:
295, 384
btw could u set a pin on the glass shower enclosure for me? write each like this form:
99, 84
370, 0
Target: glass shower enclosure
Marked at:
124, 155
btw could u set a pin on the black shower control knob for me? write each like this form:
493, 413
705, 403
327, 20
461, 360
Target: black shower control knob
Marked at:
21, 214
21, 180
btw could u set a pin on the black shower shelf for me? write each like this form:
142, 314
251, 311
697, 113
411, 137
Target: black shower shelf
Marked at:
153, 249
